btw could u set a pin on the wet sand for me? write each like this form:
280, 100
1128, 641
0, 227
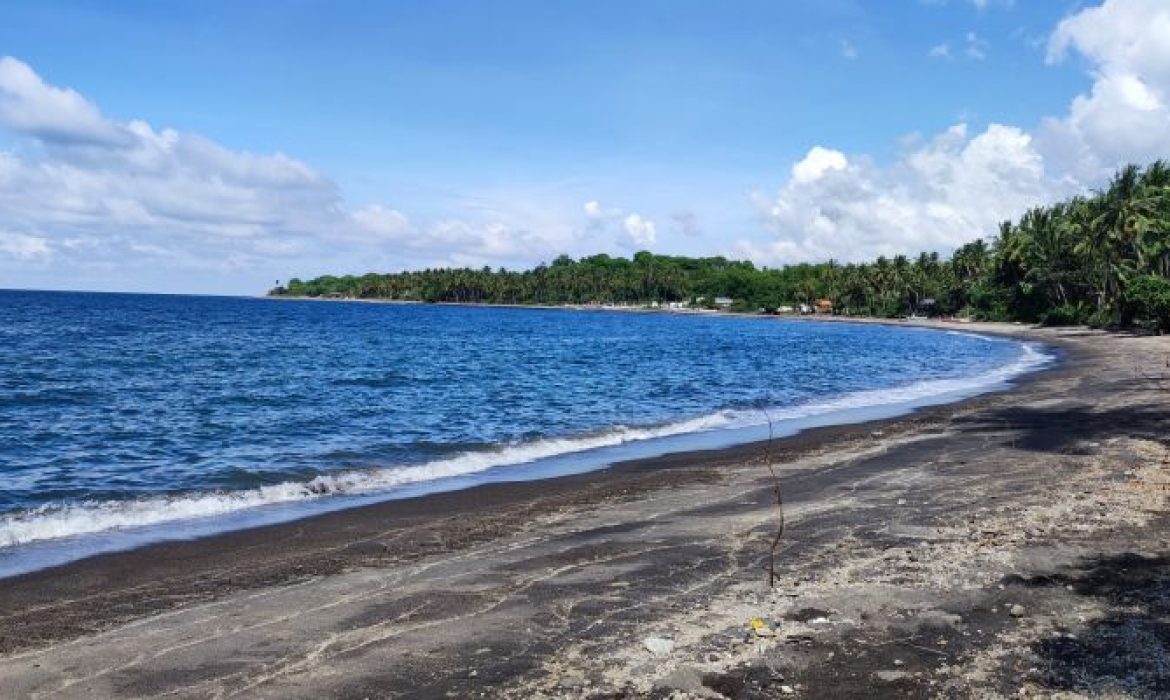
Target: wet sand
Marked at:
1014, 543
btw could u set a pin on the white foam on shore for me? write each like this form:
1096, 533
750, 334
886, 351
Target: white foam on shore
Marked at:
1031, 360
56, 521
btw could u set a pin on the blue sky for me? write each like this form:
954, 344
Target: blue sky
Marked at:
502, 133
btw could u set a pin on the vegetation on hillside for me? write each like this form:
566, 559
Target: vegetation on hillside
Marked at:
1102, 259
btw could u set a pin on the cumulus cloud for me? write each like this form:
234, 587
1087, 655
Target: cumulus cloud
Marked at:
639, 232
936, 196
598, 216
1125, 116
94, 172
108, 192
53, 114
635, 231
959, 185
816, 163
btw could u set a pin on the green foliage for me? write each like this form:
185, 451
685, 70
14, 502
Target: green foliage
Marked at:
1101, 318
1102, 260
1066, 315
1149, 297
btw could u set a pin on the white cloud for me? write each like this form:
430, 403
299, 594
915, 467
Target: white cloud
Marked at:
101, 192
1125, 115
599, 215
942, 50
23, 247
958, 185
848, 49
635, 231
977, 4
974, 48
93, 172
54, 114
936, 196
816, 163
640, 232
977, 48
382, 223
460, 242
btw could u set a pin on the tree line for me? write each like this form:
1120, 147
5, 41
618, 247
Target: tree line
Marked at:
1101, 259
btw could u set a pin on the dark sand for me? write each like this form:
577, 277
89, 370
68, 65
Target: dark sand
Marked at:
909, 543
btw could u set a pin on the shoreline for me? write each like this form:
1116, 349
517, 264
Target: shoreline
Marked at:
461, 500
562, 580
458, 500
634, 309
54, 552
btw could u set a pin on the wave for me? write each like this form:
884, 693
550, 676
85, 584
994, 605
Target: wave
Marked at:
57, 521
1031, 360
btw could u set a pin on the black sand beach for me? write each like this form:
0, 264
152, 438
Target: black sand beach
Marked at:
1011, 545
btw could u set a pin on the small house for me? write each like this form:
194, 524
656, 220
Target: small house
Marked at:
824, 306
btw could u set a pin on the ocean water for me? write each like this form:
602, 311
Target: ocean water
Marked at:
131, 418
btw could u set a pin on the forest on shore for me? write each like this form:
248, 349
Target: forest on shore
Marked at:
1101, 259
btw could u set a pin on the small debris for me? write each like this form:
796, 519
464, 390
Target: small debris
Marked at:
787, 690
1017, 610
762, 629
659, 646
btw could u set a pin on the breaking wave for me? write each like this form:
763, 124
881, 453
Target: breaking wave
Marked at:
56, 521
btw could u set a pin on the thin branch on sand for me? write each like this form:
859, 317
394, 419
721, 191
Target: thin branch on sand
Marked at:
778, 492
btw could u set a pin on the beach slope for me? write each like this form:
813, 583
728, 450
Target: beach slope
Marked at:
1012, 544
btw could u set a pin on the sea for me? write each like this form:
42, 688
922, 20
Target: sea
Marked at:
127, 419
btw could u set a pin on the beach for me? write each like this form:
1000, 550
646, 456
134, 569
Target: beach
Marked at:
1014, 544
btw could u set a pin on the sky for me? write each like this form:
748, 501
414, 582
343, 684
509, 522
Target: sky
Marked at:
217, 147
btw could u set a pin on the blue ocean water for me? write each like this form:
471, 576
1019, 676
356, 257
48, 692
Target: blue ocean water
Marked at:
123, 414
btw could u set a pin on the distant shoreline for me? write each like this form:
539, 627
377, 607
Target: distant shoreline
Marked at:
496, 305
949, 324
